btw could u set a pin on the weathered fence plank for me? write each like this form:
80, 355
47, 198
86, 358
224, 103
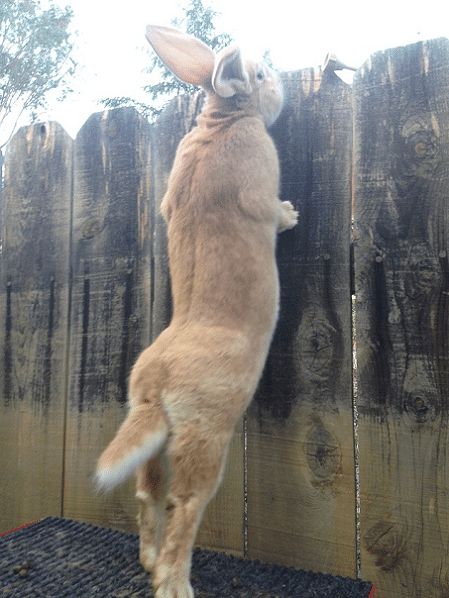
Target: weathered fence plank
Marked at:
34, 296
222, 525
402, 283
301, 495
110, 314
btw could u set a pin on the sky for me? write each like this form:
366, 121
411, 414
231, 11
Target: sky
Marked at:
112, 51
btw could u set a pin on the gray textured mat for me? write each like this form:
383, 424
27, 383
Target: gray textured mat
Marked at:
57, 558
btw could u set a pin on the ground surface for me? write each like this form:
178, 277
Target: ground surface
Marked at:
57, 558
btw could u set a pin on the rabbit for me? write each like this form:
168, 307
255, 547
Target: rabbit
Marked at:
190, 387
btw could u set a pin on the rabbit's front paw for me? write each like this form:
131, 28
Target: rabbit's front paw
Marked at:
289, 216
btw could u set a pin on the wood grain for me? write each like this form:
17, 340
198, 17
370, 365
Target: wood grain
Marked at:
402, 283
34, 298
111, 292
301, 495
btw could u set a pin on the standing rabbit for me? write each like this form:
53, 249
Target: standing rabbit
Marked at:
190, 387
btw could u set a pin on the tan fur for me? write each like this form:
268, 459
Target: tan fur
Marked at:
191, 386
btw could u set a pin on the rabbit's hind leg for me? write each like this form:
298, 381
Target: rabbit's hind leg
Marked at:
151, 493
196, 469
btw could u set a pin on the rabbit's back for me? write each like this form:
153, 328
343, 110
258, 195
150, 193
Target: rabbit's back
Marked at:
222, 215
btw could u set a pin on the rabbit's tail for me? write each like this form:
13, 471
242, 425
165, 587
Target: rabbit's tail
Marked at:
140, 437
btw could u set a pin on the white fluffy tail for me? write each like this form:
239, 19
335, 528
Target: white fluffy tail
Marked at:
140, 438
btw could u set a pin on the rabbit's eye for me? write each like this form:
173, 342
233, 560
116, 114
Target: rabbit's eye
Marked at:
260, 75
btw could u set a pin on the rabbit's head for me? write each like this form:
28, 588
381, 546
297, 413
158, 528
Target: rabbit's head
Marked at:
240, 84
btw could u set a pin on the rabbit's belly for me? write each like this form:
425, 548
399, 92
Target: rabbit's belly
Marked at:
209, 365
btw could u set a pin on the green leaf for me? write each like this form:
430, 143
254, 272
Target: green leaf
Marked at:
196, 19
35, 49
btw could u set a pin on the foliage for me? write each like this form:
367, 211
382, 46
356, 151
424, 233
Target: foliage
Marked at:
146, 110
197, 20
35, 48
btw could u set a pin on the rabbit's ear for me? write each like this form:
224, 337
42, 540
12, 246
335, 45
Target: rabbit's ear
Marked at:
188, 58
230, 76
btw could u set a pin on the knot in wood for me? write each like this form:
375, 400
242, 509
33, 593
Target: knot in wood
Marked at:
90, 229
315, 345
323, 454
420, 155
423, 273
385, 541
420, 408
420, 397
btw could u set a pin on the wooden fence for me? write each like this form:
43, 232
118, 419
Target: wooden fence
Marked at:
84, 287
